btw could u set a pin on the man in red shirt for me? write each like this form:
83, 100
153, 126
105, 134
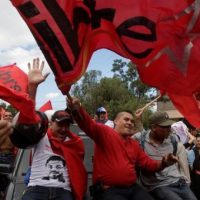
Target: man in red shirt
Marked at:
116, 156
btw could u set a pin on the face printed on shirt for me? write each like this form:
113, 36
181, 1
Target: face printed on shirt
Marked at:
55, 166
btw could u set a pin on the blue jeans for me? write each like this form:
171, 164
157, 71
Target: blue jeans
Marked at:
7, 158
46, 193
134, 192
176, 191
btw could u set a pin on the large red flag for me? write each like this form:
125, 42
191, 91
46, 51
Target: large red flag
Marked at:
68, 32
46, 106
13, 89
161, 37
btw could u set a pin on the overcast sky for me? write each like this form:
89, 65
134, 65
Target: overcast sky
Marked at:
18, 46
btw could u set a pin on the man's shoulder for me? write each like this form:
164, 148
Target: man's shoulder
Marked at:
140, 135
109, 123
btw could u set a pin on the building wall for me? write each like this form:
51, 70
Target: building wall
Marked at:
170, 109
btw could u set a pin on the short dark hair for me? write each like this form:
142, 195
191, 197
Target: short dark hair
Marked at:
198, 135
58, 158
122, 111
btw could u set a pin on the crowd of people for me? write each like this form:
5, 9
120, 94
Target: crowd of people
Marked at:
152, 164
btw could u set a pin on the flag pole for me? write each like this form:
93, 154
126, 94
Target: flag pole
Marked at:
69, 96
151, 102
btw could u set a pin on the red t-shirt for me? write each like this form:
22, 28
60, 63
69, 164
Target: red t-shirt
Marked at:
115, 157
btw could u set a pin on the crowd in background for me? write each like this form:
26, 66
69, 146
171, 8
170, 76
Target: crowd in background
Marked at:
160, 163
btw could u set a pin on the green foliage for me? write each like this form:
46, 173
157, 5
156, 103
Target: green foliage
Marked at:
9, 108
127, 72
124, 91
3, 105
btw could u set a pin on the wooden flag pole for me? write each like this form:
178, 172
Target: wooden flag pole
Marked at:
69, 96
151, 102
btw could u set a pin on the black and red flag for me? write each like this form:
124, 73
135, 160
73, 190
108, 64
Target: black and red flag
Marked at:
161, 37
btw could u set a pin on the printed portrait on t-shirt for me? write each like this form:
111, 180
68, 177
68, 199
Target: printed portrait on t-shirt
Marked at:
55, 166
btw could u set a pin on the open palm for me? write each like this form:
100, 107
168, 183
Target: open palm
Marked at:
35, 75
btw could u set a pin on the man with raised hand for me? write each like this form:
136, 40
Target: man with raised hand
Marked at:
55, 148
116, 156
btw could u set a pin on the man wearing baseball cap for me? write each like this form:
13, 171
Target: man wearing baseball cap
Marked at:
102, 117
57, 169
170, 183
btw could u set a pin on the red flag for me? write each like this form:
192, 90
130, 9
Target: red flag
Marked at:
161, 37
46, 106
13, 89
188, 107
68, 32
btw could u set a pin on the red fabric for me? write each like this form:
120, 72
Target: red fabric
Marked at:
161, 37
188, 106
73, 152
14, 78
13, 89
46, 106
114, 158
136, 29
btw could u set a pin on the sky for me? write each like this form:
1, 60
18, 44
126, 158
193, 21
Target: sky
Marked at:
17, 45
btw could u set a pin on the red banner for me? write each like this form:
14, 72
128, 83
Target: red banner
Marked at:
13, 89
46, 106
161, 37
188, 106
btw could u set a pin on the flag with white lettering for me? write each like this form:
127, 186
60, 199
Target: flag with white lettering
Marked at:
14, 90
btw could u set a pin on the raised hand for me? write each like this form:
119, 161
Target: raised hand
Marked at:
138, 113
73, 103
35, 76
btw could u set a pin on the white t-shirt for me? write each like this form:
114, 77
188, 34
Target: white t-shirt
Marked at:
110, 123
48, 169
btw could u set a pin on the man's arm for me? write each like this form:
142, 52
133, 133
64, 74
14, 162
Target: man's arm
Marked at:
154, 165
146, 162
26, 135
183, 162
5, 130
138, 120
90, 127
